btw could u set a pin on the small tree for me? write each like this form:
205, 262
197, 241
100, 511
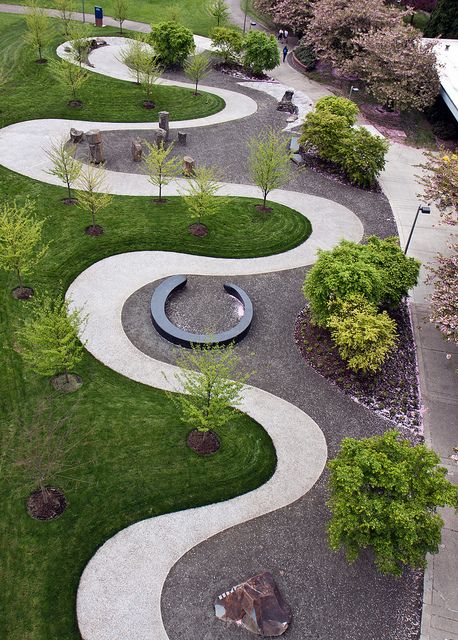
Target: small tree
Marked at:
21, 246
444, 299
261, 52
384, 496
64, 164
48, 339
70, 77
172, 43
323, 132
210, 386
200, 196
133, 56
160, 167
149, 72
228, 43
362, 156
65, 10
219, 10
338, 106
90, 195
440, 183
37, 34
80, 42
120, 11
363, 336
269, 162
197, 67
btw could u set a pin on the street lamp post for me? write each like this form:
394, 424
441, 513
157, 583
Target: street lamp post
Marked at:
423, 209
352, 89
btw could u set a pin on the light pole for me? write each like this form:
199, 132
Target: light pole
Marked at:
423, 209
84, 14
352, 88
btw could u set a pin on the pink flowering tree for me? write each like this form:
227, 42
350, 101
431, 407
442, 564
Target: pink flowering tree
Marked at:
296, 14
440, 184
444, 299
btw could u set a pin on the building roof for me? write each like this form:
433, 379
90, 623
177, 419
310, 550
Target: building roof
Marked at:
447, 55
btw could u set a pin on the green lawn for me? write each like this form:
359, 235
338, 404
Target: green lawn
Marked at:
192, 13
31, 92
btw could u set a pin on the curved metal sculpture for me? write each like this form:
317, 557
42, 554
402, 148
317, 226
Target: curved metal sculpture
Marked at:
174, 334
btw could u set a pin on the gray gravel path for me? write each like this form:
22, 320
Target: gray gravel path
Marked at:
330, 600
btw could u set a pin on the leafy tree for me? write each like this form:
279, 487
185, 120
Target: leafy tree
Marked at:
200, 196
21, 246
336, 24
260, 52
38, 33
323, 133
269, 162
68, 75
80, 42
384, 495
64, 164
120, 11
90, 193
440, 183
160, 167
294, 13
149, 71
444, 299
48, 339
362, 156
211, 384
398, 67
443, 21
363, 336
172, 43
65, 10
228, 43
133, 55
197, 67
219, 10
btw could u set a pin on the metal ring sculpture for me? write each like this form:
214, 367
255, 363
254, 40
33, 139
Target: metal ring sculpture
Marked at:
185, 338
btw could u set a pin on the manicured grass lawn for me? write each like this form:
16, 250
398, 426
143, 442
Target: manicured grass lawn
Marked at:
31, 91
193, 14
136, 462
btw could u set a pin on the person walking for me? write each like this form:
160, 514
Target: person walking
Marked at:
285, 35
280, 34
285, 52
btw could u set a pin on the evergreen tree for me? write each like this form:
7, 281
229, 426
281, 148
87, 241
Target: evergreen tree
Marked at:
443, 21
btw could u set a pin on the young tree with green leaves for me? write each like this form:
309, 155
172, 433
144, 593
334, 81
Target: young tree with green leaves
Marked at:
228, 43
21, 246
65, 9
210, 386
201, 196
160, 166
70, 77
80, 34
219, 10
64, 164
49, 338
149, 71
384, 497
260, 52
38, 33
120, 11
269, 162
197, 67
91, 196
172, 43
133, 55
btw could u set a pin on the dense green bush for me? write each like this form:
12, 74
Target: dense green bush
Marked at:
362, 156
228, 43
172, 43
338, 106
323, 133
260, 52
306, 55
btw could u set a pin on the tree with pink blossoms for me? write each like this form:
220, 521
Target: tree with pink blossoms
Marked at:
397, 66
296, 14
444, 299
440, 183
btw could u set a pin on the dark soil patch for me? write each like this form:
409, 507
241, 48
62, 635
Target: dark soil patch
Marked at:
69, 201
75, 104
159, 200
48, 506
203, 443
93, 230
66, 383
22, 293
41, 61
392, 392
198, 229
148, 104
262, 208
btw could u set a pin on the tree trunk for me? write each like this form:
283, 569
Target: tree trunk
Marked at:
197, 81
93, 217
68, 188
120, 26
264, 201
19, 277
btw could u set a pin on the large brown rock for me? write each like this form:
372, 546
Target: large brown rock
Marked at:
256, 605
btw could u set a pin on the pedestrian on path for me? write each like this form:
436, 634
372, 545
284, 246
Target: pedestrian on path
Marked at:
280, 34
285, 52
285, 35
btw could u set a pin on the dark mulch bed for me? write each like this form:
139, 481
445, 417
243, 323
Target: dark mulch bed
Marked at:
93, 230
333, 171
203, 443
48, 506
393, 392
66, 383
22, 293
198, 229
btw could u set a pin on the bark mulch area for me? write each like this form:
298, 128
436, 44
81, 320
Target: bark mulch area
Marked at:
66, 383
203, 442
393, 392
22, 293
46, 506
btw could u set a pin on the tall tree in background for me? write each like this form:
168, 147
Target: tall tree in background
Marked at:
296, 14
120, 11
38, 33
65, 9
440, 183
443, 21
269, 162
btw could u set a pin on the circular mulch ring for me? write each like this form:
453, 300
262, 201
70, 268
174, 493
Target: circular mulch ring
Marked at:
69, 201
263, 209
22, 293
198, 229
66, 383
148, 104
75, 104
203, 443
93, 230
47, 507
41, 61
